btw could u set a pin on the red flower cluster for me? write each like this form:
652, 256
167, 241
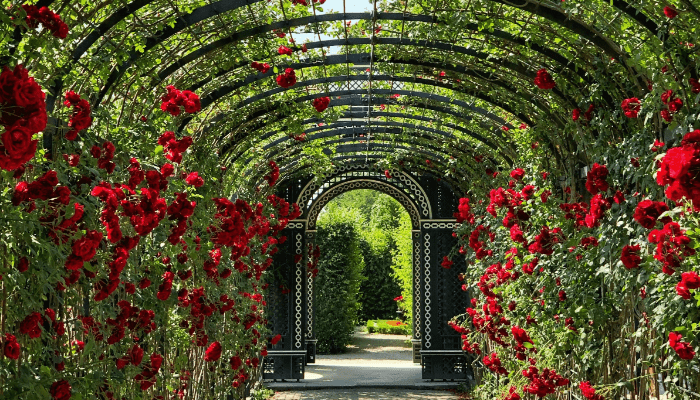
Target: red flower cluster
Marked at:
464, 212
30, 325
679, 170
273, 175
672, 246
446, 262
11, 348
321, 103
60, 390
689, 280
683, 349
589, 392
517, 174
478, 245
47, 18
80, 119
542, 384
213, 352
84, 249
672, 103
261, 67
44, 188
173, 147
133, 357
545, 241
147, 377
180, 210
631, 107
493, 363
284, 50
287, 79
648, 212
543, 80
630, 256
670, 12
23, 115
175, 99
194, 179
595, 179
104, 156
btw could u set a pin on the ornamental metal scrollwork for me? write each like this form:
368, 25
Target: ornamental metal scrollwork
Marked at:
426, 287
298, 292
401, 181
335, 191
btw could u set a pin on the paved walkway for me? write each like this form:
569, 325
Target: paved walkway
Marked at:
366, 394
375, 366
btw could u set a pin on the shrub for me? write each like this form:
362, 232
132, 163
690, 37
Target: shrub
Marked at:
338, 281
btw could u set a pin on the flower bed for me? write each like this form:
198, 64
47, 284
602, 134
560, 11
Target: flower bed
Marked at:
391, 327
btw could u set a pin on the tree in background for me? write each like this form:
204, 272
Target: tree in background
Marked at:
339, 278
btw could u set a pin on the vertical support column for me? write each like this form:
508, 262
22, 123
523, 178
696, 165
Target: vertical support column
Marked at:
310, 309
441, 354
417, 283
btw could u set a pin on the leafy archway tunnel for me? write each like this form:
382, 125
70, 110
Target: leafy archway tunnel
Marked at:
143, 141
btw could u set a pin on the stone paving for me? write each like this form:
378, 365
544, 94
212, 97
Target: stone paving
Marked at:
374, 367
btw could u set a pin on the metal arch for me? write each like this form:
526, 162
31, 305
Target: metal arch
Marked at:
332, 133
335, 79
345, 92
326, 196
378, 114
418, 167
360, 102
355, 101
359, 58
515, 67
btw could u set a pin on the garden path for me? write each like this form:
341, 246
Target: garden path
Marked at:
376, 366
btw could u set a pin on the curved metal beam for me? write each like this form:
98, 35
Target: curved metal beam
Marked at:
360, 58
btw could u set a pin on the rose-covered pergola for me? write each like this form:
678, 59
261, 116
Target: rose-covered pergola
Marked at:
144, 145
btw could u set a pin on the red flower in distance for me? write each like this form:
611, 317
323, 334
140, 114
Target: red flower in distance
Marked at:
631, 107
11, 348
517, 174
543, 80
630, 256
261, 67
595, 180
588, 391
575, 114
670, 12
287, 79
48, 19
648, 211
213, 352
174, 99
194, 179
683, 349
275, 339
284, 50
321, 103
80, 119
446, 262
60, 390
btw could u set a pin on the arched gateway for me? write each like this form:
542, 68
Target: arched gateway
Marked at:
437, 297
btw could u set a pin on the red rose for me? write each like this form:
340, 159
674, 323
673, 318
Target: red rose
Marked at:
543, 80
647, 212
18, 144
670, 12
287, 79
194, 179
517, 174
631, 107
136, 355
213, 352
630, 256
60, 390
27, 93
683, 349
11, 348
30, 325
321, 103
691, 280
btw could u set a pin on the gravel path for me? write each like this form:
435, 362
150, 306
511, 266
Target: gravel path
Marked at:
366, 394
376, 366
